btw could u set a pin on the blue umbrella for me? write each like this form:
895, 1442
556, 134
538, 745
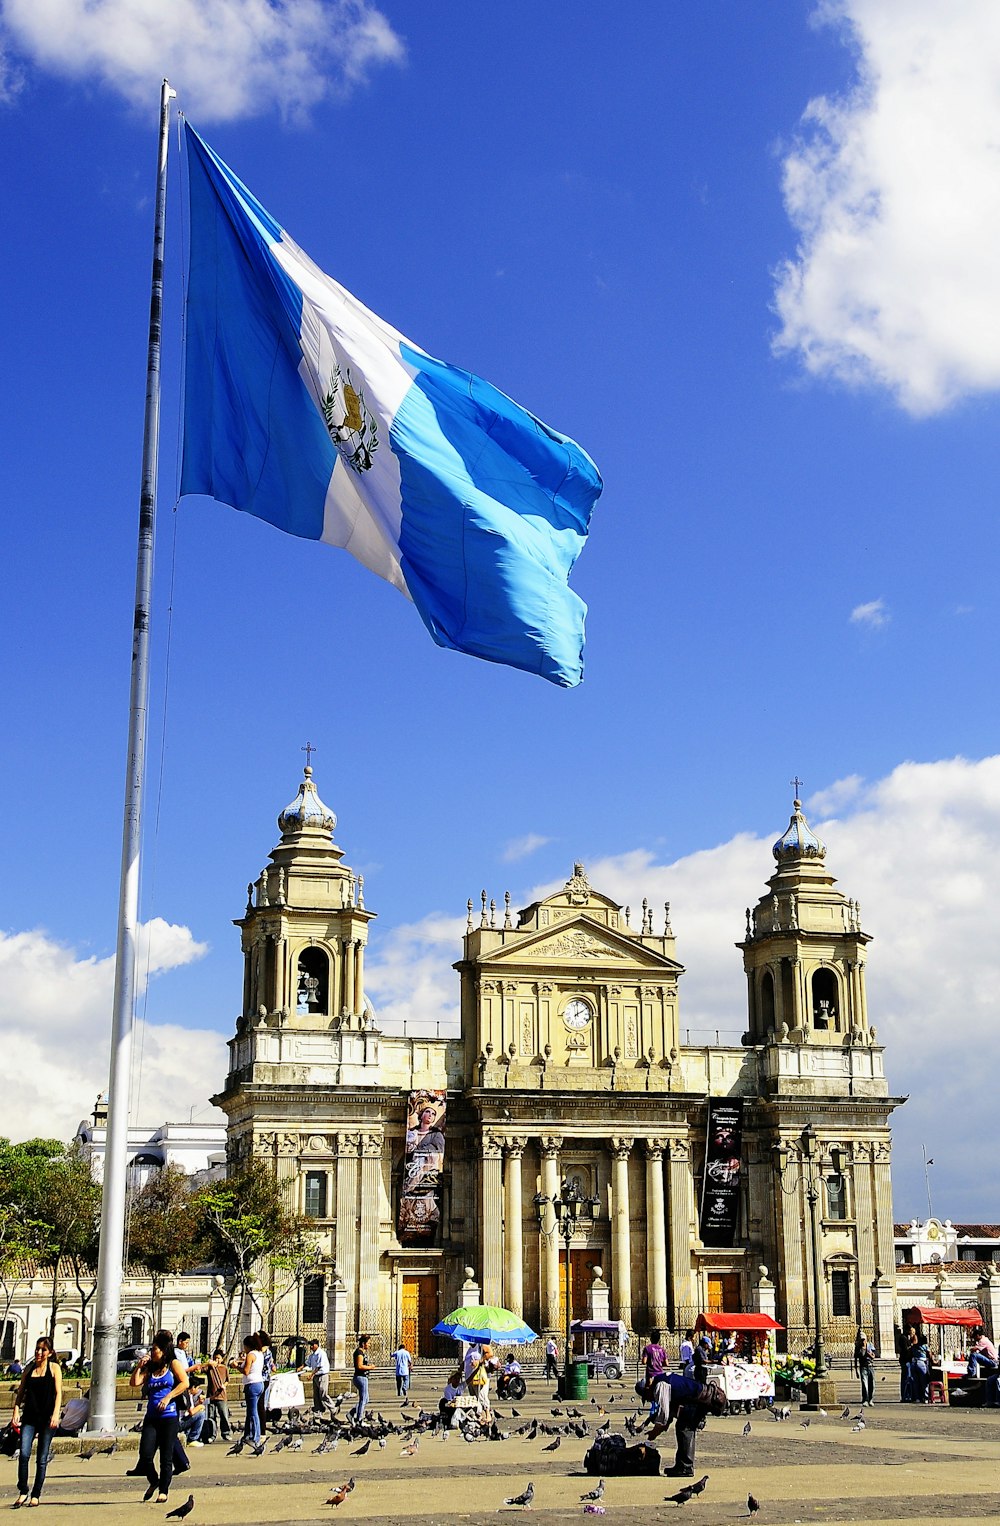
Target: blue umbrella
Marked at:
478, 1323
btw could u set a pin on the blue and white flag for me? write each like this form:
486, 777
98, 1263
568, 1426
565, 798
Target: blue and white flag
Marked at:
305, 409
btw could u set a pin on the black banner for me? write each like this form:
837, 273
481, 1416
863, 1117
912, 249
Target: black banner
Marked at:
720, 1194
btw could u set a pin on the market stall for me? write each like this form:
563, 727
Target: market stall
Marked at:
944, 1369
745, 1374
603, 1346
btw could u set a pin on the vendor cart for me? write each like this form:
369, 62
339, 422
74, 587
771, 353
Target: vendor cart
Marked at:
943, 1371
603, 1346
745, 1376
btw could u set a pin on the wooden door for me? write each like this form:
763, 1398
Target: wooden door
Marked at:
580, 1262
724, 1293
419, 1313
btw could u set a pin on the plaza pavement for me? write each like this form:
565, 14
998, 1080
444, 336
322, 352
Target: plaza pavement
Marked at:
909, 1464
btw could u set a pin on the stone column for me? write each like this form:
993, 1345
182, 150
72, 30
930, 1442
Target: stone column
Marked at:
656, 1249
886, 1250
514, 1228
762, 1299
988, 1299
345, 1248
371, 1206
490, 1239
882, 1320
336, 1322
551, 1144
860, 1187
621, 1239
680, 1233
359, 977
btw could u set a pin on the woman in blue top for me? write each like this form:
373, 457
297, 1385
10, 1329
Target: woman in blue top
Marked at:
162, 1380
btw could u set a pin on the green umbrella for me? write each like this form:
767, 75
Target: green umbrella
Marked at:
481, 1322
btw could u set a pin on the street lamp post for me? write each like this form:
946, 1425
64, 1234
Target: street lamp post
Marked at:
811, 1169
571, 1209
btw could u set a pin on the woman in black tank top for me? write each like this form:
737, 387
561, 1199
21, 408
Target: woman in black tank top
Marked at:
37, 1403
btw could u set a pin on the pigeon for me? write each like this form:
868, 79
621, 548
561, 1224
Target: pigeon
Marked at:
553, 1445
594, 1494
411, 1449
806, 1423
845, 1413
859, 1424
752, 1505
261, 1447
362, 1449
340, 1493
523, 1500
237, 1447
682, 1496
182, 1510
747, 1428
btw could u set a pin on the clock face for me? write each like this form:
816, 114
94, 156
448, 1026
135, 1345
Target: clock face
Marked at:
576, 1013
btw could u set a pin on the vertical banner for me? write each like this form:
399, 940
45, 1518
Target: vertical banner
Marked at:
420, 1198
720, 1193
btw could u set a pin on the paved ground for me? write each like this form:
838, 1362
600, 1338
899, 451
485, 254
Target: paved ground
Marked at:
909, 1464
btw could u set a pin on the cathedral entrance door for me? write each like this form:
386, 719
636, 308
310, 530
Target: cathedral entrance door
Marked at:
580, 1262
724, 1293
419, 1313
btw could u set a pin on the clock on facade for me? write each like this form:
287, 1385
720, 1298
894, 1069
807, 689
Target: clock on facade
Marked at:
576, 1013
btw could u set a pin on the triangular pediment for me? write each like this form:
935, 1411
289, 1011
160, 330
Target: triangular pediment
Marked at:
581, 943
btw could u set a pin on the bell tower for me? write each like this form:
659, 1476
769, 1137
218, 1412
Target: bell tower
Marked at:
305, 928
804, 951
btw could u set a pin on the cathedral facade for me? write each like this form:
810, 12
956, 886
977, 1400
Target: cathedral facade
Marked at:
750, 1176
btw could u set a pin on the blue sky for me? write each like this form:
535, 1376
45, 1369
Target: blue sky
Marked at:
773, 328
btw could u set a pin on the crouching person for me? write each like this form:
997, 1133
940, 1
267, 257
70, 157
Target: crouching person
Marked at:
689, 1403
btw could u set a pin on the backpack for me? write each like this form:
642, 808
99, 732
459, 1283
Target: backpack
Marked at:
208, 1430
610, 1456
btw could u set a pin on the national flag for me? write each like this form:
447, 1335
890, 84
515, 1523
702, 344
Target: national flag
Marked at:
305, 409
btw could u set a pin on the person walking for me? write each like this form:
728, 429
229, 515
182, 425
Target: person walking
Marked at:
162, 1379
37, 1404
251, 1366
551, 1358
318, 1363
654, 1357
404, 1366
686, 1353
359, 1379
864, 1366
217, 1379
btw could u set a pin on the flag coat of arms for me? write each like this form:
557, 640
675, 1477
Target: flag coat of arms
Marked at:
307, 410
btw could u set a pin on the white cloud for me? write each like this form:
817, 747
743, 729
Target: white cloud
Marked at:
873, 614
226, 58
409, 977
55, 1033
523, 847
894, 192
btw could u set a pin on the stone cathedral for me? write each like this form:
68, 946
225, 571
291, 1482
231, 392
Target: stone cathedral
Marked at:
421, 1158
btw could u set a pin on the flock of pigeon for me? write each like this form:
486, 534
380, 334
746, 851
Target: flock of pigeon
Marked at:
412, 1429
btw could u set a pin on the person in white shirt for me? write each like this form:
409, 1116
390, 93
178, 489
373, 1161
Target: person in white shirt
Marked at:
404, 1365
318, 1363
551, 1358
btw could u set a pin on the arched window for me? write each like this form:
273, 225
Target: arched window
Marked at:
312, 991
825, 1003
767, 1000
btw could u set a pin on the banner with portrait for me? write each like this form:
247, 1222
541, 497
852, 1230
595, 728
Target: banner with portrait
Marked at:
720, 1195
423, 1163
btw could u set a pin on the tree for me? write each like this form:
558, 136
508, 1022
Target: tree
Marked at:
164, 1233
67, 1210
23, 1233
245, 1222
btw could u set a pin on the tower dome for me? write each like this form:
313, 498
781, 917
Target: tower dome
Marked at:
799, 840
307, 811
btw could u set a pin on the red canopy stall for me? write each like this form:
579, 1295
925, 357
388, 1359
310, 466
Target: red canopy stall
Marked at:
919, 1315
748, 1382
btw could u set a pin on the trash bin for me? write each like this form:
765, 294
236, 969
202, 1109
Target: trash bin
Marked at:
574, 1382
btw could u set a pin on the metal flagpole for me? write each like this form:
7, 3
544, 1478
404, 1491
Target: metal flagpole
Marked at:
110, 1263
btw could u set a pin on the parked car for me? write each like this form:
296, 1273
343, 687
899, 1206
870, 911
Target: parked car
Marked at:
129, 1355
